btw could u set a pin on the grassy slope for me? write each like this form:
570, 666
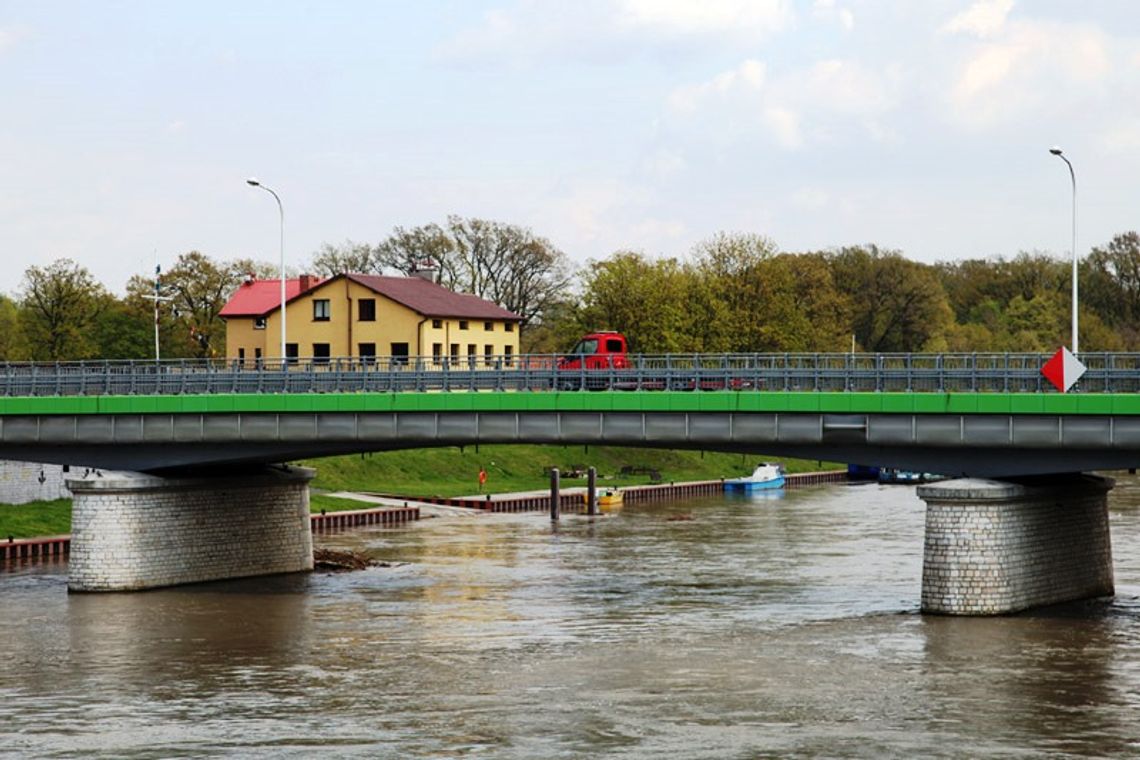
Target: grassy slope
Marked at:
453, 472
39, 518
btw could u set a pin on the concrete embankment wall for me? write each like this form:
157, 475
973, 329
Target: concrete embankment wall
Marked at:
23, 482
573, 500
60, 546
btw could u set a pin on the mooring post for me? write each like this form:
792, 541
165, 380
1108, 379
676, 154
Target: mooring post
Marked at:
592, 491
555, 497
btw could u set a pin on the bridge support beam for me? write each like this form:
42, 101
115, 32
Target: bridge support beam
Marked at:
995, 547
131, 531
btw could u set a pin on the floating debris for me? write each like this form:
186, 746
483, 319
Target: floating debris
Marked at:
330, 559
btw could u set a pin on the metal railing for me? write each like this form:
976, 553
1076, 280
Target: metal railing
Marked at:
916, 373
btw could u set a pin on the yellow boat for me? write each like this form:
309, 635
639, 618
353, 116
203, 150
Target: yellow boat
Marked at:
609, 497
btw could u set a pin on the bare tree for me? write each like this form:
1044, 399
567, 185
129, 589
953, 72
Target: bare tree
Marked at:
504, 263
349, 256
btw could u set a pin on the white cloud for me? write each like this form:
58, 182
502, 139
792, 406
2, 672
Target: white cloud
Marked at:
10, 36
784, 125
685, 17
816, 103
746, 78
828, 11
811, 198
984, 18
664, 164
608, 30
1029, 68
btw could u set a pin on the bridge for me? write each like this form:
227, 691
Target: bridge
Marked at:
201, 430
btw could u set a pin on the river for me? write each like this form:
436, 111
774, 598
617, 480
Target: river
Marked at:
763, 627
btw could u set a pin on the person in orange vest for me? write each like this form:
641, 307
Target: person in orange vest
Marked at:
482, 479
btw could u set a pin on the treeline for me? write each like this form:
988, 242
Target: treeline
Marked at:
731, 293
739, 293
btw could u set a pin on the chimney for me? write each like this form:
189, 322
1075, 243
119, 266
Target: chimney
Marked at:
308, 281
425, 270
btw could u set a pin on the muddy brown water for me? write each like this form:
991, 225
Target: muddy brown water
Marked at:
761, 627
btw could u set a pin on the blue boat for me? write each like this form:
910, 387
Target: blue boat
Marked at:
767, 475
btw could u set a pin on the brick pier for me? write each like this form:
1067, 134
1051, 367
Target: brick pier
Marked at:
131, 531
994, 547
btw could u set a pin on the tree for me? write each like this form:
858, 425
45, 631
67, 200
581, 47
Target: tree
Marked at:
60, 305
644, 299
125, 331
503, 263
12, 346
1110, 285
754, 298
899, 305
348, 257
198, 288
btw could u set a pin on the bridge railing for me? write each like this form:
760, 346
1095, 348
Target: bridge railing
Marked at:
913, 373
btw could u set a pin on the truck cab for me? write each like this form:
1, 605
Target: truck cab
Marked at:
600, 350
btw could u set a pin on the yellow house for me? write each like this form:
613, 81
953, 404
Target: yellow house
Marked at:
365, 316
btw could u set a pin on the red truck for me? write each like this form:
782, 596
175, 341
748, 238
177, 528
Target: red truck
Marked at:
597, 359
596, 351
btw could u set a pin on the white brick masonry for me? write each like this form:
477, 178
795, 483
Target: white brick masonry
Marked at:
21, 482
131, 531
994, 547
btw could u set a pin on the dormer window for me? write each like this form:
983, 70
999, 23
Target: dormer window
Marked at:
259, 323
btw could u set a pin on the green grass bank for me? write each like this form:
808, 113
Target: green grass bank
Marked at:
455, 472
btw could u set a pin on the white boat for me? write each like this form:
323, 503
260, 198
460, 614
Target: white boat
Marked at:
766, 475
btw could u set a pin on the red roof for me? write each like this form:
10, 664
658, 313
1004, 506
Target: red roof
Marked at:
432, 300
256, 298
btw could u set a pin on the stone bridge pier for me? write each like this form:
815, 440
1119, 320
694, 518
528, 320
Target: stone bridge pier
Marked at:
995, 547
131, 531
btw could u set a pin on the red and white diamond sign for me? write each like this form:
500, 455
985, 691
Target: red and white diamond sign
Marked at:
1063, 370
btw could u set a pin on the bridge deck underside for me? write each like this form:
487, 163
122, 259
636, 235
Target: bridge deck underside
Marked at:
990, 445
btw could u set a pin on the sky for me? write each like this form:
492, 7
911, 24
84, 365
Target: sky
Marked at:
128, 129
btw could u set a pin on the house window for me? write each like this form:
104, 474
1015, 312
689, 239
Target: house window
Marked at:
320, 353
259, 323
472, 352
366, 311
489, 326
488, 352
399, 353
241, 354
436, 351
367, 351
257, 355
507, 351
509, 326
463, 324
437, 323
454, 352
320, 310
291, 353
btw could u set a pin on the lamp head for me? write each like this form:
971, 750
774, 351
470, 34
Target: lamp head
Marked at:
1055, 150
256, 183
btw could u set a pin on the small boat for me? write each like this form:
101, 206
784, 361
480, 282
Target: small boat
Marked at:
766, 475
895, 475
609, 497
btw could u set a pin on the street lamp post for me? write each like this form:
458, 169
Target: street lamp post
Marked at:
1056, 151
255, 183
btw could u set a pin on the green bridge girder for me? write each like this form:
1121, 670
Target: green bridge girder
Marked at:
597, 401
